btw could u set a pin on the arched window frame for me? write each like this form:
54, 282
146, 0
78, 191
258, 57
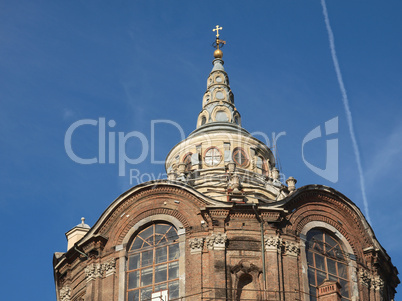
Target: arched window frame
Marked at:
352, 265
124, 250
261, 165
187, 160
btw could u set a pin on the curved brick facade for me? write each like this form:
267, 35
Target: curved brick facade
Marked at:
223, 244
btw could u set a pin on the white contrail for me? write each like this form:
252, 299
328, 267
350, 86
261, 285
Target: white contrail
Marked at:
347, 109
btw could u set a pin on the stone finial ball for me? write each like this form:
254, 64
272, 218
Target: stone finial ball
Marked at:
218, 54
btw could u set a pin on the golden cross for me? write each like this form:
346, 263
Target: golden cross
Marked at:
217, 30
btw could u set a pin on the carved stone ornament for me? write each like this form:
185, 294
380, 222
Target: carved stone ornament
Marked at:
365, 277
216, 241
196, 245
374, 282
273, 242
95, 270
209, 241
377, 283
234, 184
291, 248
110, 267
65, 293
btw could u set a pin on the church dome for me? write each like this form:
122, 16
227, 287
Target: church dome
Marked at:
220, 158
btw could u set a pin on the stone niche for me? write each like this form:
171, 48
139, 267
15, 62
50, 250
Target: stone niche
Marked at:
246, 281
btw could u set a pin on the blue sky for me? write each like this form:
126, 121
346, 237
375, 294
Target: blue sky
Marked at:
138, 61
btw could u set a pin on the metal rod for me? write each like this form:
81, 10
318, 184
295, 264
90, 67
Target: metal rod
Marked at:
262, 245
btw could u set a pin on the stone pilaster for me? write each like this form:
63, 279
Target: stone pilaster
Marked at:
378, 287
108, 282
217, 245
290, 270
95, 272
372, 286
273, 247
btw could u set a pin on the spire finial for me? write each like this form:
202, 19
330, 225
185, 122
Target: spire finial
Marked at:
82, 220
218, 42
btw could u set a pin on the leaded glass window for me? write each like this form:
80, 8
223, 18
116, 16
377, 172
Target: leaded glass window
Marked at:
153, 263
326, 260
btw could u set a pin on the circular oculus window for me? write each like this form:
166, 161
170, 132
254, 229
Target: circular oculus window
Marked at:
212, 156
240, 157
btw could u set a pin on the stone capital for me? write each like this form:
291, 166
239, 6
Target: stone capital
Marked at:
65, 293
109, 267
216, 241
96, 270
196, 245
365, 277
291, 248
377, 283
272, 243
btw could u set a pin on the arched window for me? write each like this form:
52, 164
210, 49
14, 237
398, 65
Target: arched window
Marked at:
262, 166
153, 262
326, 260
187, 161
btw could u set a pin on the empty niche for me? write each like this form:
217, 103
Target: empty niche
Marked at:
246, 289
221, 116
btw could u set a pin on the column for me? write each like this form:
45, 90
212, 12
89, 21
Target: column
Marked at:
108, 282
